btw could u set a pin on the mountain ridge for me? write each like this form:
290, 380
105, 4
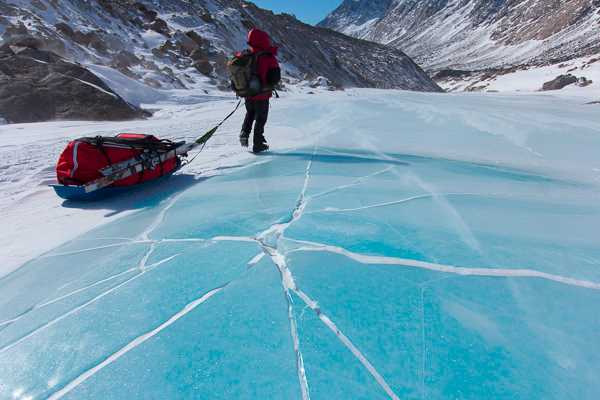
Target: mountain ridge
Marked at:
184, 44
478, 34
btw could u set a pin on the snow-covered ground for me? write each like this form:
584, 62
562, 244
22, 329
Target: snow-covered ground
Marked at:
392, 245
532, 79
455, 126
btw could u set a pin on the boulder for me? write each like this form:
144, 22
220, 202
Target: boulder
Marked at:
91, 39
207, 17
20, 36
204, 67
559, 82
160, 26
203, 43
125, 59
197, 55
450, 73
583, 82
37, 85
65, 29
185, 43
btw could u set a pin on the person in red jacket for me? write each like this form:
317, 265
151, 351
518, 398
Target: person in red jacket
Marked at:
269, 73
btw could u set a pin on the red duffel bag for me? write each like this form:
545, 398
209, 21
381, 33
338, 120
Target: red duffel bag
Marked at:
83, 158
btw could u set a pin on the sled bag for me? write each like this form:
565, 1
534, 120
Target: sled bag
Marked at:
82, 159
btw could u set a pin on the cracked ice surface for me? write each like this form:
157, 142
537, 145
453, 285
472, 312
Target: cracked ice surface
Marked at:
321, 273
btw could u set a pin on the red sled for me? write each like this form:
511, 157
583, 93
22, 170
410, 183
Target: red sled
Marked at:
84, 160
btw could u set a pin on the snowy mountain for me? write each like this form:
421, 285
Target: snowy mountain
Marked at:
185, 44
476, 34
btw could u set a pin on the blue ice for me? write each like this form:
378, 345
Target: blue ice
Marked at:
321, 273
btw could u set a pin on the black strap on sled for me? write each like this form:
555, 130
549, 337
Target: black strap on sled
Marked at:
99, 142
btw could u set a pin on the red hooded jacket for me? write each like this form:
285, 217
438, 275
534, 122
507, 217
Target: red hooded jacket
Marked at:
260, 41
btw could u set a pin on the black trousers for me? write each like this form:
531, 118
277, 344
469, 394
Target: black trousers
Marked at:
257, 112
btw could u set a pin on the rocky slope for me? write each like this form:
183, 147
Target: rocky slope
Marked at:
185, 43
39, 86
476, 34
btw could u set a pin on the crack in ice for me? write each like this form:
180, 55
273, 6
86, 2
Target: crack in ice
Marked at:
269, 241
347, 343
356, 182
80, 307
135, 343
108, 246
272, 235
392, 203
145, 235
450, 269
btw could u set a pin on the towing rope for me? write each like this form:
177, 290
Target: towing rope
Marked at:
206, 137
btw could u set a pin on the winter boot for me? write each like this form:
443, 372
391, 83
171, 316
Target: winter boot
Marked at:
244, 139
260, 147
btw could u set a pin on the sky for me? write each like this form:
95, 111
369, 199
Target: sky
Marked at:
309, 11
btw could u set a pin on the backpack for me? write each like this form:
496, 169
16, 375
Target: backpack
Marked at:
245, 81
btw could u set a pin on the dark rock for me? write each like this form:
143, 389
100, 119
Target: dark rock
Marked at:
37, 85
450, 73
248, 25
204, 67
559, 82
160, 26
91, 39
38, 4
203, 43
148, 14
152, 83
185, 43
476, 88
583, 82
197, 55
14, 30
20, 36
208, 18
125, 59
65, 29
137, 22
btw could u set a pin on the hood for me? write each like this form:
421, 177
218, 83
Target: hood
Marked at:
260, 41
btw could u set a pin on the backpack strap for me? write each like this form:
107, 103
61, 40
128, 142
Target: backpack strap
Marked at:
255, 57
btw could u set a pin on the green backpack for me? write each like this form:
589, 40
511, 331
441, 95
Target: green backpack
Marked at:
242, 72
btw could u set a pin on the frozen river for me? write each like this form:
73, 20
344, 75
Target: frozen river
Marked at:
415, 247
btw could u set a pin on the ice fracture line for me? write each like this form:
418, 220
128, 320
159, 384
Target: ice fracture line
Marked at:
270, 240
134, 343
78, 308
450, 269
